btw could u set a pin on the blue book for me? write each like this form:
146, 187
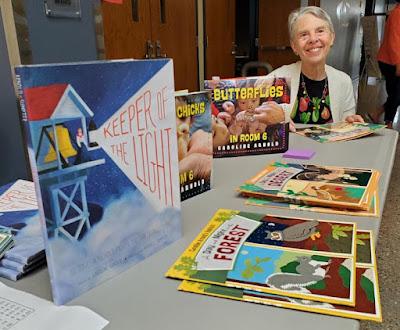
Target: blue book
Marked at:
19, 216
101, 140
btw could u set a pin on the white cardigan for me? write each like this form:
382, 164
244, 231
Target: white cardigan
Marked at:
340, 90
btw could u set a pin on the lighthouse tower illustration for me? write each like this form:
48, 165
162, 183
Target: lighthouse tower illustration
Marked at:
62, 156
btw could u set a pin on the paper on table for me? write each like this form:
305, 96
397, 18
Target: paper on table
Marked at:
20, 311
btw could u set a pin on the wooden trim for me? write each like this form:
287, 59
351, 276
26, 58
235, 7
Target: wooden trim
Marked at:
11, 35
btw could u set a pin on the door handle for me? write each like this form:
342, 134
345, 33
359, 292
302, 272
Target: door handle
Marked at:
158, 50
234, 48
149, 49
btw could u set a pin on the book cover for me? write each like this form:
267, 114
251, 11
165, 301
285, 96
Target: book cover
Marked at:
301, 258
373, 209
19, 216
336, 132
367, 305
193, 126
329, 186
239, 126
103, 152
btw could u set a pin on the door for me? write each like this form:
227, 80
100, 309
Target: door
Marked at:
154, 28
174, 32
220, 38
274, 43
126, 28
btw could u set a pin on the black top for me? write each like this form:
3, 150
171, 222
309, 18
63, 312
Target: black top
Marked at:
313, 103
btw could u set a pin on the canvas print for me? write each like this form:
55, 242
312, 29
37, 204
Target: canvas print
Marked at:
239, 125
367, 297
306, 259
331, 186
103, 149
342, 131
193, 126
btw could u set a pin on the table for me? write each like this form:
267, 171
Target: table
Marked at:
141, 298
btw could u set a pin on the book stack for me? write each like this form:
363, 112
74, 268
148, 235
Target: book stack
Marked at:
341, 131
19, 218
311, 265
327, 189
6, 242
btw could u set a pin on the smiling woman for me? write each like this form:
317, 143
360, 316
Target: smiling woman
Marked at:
319, 93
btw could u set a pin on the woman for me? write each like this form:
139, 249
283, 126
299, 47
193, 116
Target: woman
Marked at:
319, 93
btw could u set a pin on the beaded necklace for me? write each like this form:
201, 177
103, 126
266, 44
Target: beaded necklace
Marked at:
323, 96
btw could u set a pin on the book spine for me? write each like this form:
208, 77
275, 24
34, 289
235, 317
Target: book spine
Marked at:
34, 170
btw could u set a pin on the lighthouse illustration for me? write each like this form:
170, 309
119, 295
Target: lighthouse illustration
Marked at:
62, 161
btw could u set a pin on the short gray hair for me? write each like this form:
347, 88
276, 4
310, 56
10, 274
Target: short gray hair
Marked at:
313, 10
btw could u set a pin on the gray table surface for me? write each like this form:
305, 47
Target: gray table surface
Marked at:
142, 298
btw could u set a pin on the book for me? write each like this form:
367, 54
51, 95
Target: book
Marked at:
193, 126
367, 305
300, 258
373, 209
19, 216
237, 126
103, 152
310, 184
341, 131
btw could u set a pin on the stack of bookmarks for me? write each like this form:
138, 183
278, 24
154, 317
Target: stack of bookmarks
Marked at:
19, 218
311, 265
326, 189
341, 131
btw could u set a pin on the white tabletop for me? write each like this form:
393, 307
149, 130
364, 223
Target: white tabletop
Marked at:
142, 298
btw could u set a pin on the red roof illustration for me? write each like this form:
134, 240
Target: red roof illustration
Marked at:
41, 102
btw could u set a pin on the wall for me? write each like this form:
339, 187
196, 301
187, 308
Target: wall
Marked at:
12, 157
345, 55
61, 39
51, 40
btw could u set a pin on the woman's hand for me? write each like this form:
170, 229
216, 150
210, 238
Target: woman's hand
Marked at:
354, 119
269, 113
292, 127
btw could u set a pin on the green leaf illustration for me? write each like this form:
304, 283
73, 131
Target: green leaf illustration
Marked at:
359, 242
251, 268
247, 273
258, 269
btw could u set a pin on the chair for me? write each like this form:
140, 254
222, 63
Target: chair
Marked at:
255, 65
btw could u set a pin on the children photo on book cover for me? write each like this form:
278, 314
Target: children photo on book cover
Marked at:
193, 126
301, 258
103, 151
241, 124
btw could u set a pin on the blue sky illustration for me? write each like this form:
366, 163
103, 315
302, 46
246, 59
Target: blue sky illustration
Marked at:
250, 252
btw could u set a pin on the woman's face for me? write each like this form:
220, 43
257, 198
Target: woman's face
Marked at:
312, 39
